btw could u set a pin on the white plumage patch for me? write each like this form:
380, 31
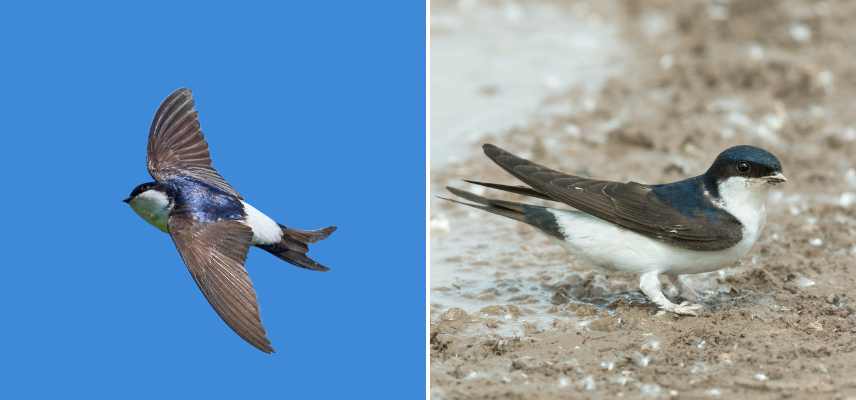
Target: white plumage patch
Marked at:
265, 229
154, 207
609, 246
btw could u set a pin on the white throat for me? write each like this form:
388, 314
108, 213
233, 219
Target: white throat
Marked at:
154, 207
746, 199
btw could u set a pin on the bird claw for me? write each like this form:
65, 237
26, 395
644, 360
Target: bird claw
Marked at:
686, 308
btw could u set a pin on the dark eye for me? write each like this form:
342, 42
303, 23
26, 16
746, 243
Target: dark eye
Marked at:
743, 166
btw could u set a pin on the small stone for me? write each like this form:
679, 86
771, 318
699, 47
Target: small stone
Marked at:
440, 225
605, 324
588, 383
640, 359
453, 314
506, 311
800, 33
650, 390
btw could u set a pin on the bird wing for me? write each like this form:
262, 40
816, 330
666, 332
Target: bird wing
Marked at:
214, 254
630, 205
176, 145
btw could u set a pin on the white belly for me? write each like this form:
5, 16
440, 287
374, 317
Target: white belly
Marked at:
265, 229
611, 247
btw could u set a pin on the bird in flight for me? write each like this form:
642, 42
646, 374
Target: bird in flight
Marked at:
696, 225
211, 225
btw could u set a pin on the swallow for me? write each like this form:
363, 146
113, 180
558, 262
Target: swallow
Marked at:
696, 225
210, 223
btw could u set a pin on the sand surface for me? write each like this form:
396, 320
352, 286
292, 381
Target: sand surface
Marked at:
648, 91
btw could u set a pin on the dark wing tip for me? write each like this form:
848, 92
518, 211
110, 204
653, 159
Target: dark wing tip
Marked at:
183, 91
494, 152
265, 347
180, 92
456, 192
490, 148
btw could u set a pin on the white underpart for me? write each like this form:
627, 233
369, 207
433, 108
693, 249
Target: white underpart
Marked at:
611, 247
265, 229
154, 207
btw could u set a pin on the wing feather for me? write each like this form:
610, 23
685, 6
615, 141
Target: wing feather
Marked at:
214, 254
631, 205
176, 144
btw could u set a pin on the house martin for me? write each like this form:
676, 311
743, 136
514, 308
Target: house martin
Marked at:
209, 222
696, 225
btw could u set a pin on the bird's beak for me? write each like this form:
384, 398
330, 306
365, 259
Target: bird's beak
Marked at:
128, 200
778, 177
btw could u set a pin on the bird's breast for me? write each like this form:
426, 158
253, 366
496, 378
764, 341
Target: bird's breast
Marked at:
154, 207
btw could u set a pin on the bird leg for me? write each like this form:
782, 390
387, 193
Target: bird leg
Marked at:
686, 291
649, 282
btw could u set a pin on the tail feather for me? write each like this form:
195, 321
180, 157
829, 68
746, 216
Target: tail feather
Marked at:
537, 216
295, 244
522, 190
308, 236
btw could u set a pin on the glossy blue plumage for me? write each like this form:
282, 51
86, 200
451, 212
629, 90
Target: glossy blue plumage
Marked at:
688, 196
694, 196
205, 202
752, 154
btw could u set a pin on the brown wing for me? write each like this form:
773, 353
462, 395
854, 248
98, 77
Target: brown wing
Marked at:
215, 253
176, 145
630, 205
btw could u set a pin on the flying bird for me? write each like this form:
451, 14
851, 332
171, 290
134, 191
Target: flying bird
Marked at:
696, 225
211, 225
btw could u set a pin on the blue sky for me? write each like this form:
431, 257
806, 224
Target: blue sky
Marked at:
314, 112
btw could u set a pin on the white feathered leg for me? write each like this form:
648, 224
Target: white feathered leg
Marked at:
686, 291
649, 282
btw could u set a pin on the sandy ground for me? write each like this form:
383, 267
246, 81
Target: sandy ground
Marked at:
656, 90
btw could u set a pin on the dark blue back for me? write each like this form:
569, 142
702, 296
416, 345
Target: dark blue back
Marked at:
205, 202
687, 196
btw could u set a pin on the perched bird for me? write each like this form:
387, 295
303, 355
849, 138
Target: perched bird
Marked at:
209, 222
696, 225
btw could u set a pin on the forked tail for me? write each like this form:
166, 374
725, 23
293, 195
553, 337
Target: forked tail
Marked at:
537, 216
295, 244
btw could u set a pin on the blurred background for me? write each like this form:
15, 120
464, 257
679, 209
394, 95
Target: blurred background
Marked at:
649, 91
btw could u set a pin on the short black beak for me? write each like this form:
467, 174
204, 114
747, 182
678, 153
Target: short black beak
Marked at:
128, 200
778, 177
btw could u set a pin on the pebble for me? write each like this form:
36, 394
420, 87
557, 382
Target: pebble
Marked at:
640, 359
453, 314
507, 311
650, 390
588, 383
800, 33
440, 224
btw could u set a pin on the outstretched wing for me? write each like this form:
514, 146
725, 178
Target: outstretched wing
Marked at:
214, 254
176, 145
630, 205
